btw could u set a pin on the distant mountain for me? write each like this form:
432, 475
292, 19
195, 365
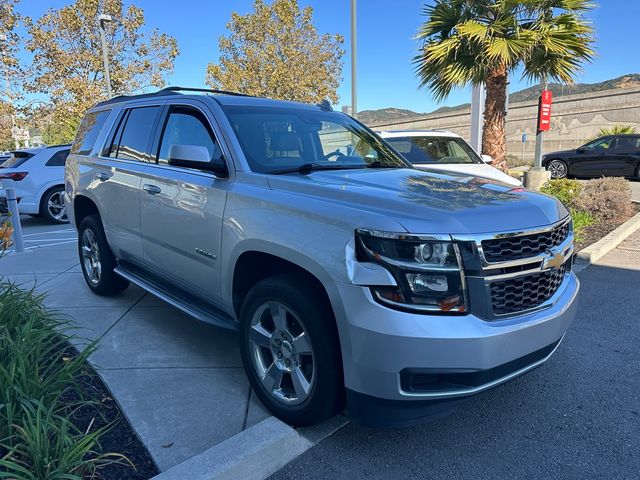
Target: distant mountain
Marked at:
532, 93
386, 115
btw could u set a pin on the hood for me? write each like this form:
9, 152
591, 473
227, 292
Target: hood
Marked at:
475, 169
559, 153
428, 202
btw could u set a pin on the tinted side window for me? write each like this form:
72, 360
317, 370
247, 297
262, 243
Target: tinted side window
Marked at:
600, 144
132, 138
627, 143
58, 159
186, 126
88, 131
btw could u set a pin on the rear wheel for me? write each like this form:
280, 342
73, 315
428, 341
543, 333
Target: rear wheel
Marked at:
52, 205
96, 259
558, 169
290, 350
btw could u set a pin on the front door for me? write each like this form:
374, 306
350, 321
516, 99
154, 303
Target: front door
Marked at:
182, 208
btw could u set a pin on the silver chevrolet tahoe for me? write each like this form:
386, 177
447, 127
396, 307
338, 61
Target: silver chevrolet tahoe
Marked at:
351, 277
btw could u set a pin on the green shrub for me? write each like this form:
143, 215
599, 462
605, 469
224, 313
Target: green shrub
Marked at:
581, 220
39, 394
607, 199
47, 446
565, 190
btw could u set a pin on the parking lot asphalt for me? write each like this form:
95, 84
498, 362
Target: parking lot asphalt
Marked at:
576, 417
635, 190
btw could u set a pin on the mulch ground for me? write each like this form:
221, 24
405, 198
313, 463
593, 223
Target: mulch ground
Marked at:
599, 230
120, 438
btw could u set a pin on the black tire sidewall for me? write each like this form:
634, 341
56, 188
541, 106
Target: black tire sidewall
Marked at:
110, 282
44, 210
328, 389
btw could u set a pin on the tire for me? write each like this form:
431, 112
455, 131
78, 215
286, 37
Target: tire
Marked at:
269, 352
638, 172
52, 207
558, 169
96, 258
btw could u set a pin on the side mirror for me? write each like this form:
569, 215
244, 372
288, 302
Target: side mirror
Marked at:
198, 157
487, 159
580, 150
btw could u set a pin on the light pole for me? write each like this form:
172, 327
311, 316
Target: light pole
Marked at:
354, 88
102, 20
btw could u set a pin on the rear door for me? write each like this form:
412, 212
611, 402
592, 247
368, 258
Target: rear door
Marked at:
118, 177
624, 156
591, 160
182, 208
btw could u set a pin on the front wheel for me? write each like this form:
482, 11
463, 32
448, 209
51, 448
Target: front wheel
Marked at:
96, 258
290, 350
558, 169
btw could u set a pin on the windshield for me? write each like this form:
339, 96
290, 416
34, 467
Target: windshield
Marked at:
434, 150
276, 139
17, 159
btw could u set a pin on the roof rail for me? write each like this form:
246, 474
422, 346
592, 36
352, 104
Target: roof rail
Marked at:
203, 90
168, 91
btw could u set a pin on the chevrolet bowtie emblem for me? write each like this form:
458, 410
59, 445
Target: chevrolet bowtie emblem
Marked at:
553, 261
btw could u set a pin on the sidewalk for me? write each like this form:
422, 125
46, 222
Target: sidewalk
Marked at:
179, 382
625, 256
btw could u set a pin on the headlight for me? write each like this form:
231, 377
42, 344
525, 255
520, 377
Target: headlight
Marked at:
428, 272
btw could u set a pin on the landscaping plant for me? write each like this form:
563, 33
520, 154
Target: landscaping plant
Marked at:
39, 394
608, 199
603, 201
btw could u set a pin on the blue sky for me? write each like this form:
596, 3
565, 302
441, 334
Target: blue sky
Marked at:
385, 43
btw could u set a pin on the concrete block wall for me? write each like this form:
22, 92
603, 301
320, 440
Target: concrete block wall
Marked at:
575, 120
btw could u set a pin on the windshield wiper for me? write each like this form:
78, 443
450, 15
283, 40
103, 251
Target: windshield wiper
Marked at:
307, 168
378, 164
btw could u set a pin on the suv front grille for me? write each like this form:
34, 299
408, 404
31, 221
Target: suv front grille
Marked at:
526, 246
526, 292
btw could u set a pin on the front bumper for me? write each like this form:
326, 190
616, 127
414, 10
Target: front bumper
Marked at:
464, 355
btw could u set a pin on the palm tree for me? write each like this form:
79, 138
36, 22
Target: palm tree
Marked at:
616, 130
474, 41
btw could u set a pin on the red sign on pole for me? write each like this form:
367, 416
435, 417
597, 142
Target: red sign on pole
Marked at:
544, 111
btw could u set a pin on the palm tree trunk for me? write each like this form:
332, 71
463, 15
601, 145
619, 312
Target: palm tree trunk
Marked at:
494, 139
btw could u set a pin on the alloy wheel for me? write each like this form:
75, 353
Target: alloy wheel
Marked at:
558, 169
281, 353
91, 257
56, 206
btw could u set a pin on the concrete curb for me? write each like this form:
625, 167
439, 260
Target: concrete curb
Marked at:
254, 453
607, 243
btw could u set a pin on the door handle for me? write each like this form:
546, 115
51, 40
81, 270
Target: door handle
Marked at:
151, 189
103, 177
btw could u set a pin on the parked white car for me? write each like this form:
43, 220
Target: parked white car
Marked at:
444, 151
37, 175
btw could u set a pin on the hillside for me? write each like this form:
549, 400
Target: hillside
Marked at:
528, 94
386, 115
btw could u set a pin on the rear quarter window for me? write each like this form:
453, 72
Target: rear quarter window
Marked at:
58, 159
88, 132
